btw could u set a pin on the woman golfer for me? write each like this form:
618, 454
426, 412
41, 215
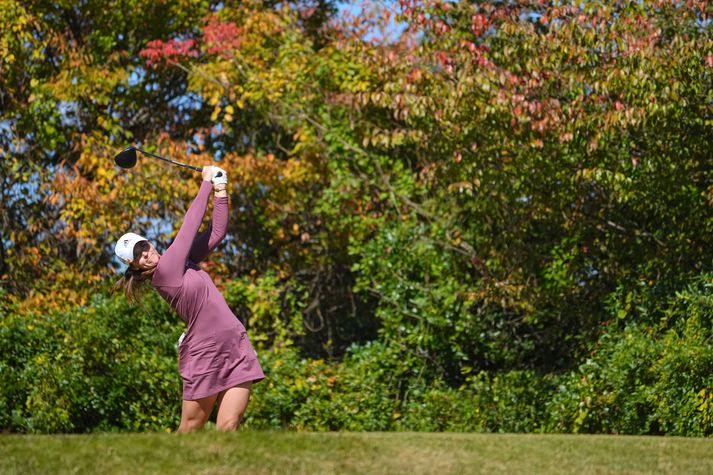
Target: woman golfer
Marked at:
216, 361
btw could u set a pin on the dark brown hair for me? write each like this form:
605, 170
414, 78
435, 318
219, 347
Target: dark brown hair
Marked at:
132, 282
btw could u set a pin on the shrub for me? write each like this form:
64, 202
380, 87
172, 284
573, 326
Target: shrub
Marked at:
103, 366
109, 366
646, 379
500, 402
358, 394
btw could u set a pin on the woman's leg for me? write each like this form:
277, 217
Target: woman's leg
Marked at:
194, 414
231, 406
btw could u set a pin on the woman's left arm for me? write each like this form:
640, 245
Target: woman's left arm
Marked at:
172, 265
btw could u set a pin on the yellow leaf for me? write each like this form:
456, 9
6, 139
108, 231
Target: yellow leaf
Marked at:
215, 114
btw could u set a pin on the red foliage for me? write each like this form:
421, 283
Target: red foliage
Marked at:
408, 7
445, 60
158, 51
221, 37
479, 24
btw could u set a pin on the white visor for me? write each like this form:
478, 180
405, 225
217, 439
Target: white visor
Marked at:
125, 246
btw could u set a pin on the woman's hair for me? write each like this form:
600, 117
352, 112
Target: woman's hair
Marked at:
132, 281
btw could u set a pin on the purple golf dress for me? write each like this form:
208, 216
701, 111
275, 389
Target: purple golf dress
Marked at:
215, 354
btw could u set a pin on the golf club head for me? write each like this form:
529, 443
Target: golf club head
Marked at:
126, 158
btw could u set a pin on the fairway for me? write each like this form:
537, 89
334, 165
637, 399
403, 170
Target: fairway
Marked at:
413, 453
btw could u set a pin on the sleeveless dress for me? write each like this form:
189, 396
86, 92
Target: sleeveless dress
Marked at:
215, 353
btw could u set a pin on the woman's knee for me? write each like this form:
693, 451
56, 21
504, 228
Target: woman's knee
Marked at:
231, 407
194, 414
191, 424
228, 424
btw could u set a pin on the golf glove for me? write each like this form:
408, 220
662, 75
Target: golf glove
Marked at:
220, 177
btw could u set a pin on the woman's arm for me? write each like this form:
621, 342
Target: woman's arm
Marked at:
173, 262
208, 240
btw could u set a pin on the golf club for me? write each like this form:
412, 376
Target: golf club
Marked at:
127, 158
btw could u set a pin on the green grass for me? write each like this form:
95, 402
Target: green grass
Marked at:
410, 453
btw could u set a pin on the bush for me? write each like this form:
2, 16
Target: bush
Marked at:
505, 402
646, 379
109, 366
358, 394
372, 390
103, 366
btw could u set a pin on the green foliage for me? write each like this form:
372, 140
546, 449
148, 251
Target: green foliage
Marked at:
358, 394
373, 390
505, 402
646, 379
108, 366
104, 366
273, 313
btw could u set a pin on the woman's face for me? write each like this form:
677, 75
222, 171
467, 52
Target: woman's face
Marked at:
145, 256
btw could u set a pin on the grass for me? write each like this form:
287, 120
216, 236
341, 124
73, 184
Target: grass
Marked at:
343, 453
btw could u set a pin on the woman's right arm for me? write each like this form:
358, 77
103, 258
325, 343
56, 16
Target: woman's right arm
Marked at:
173, 261
208, 240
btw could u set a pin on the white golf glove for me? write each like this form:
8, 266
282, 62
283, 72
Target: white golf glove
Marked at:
220, 176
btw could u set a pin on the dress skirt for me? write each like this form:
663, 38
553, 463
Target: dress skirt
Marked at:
217, 361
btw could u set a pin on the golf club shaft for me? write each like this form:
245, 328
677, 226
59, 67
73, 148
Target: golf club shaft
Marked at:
198, 169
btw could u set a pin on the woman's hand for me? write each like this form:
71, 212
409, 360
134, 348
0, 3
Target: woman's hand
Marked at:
220, 176
207, 173
220, 182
